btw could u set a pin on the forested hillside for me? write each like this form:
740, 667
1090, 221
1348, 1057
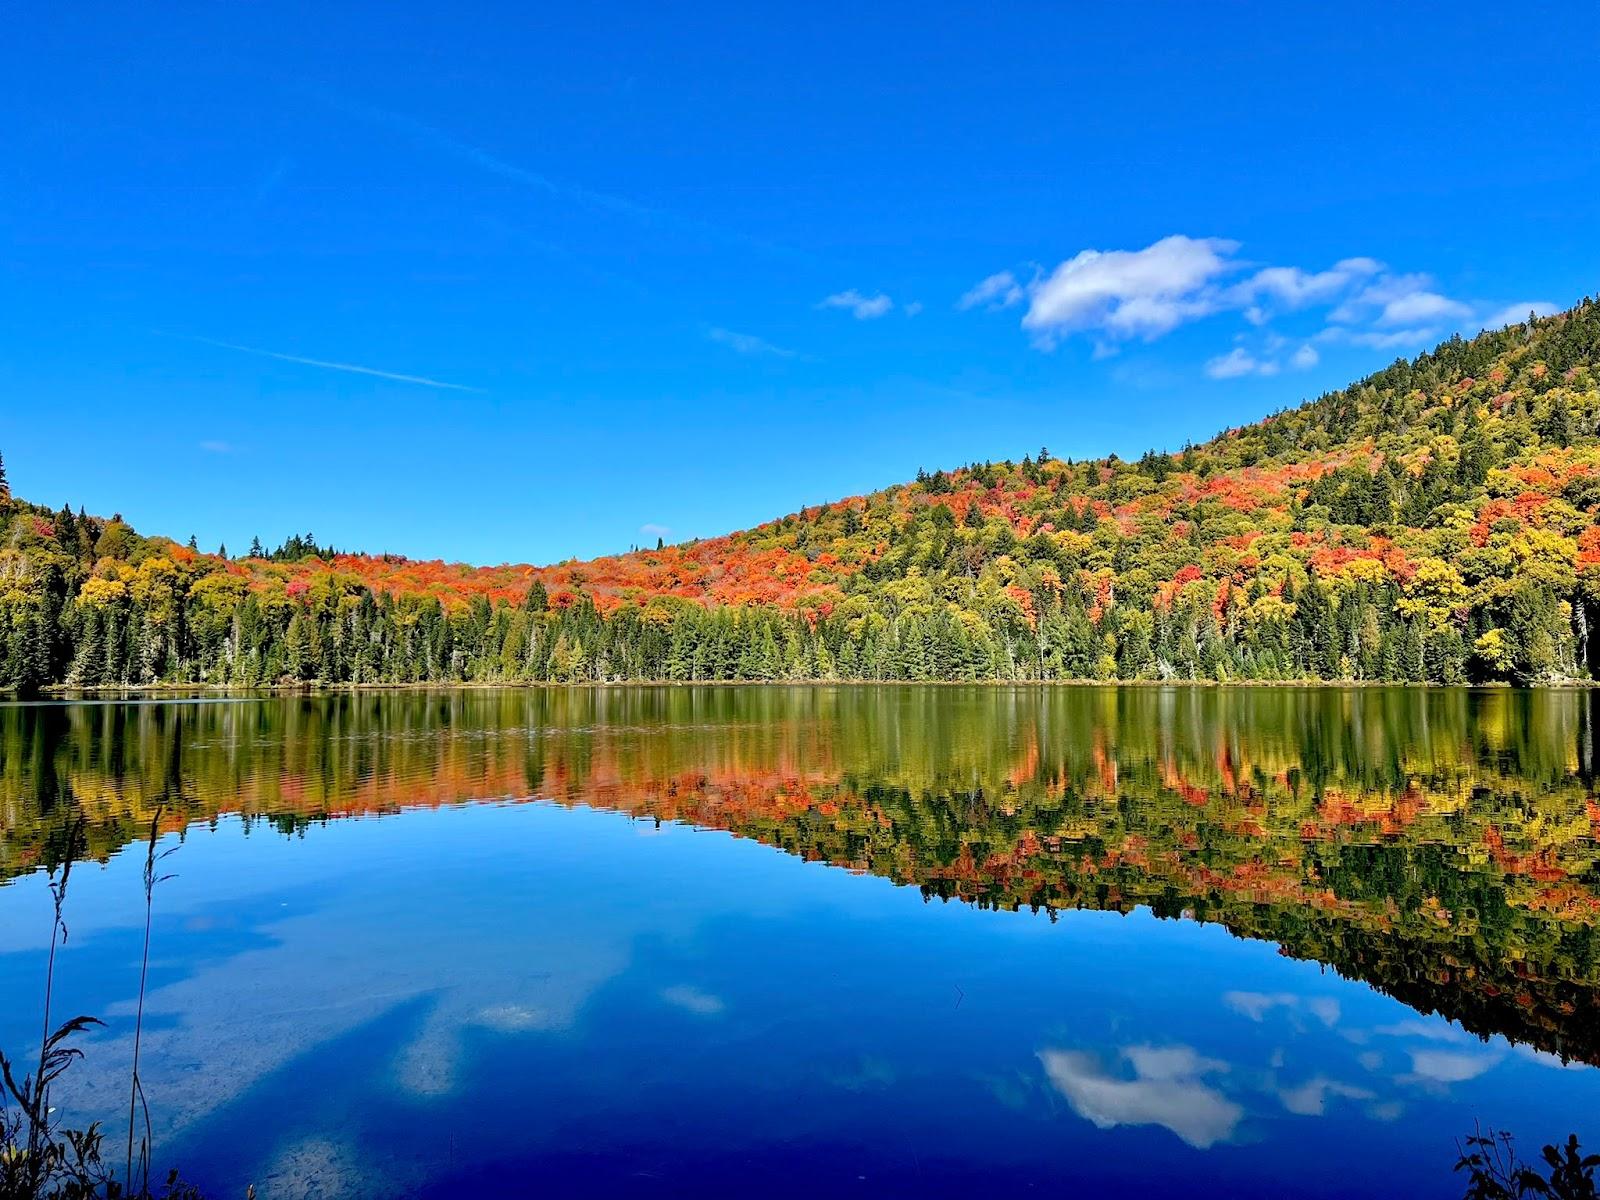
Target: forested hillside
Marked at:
1436, 521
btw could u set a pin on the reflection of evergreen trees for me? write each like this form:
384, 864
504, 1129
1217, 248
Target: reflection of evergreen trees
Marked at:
1441, 845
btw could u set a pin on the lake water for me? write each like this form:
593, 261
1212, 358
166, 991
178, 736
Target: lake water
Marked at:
872, 941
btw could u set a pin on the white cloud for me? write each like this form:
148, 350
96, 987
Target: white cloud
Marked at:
1268, 360
1294, 288
1515, 314
862, 307
1116, 296
911, 309
747, 343
1168, 1089
1394, 300
1379, 339
1400, 337
1237, 362
1130, 293
216, 447
1000, 290
652, 530
1422, 306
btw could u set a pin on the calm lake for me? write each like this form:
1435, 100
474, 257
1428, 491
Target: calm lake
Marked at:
874, 941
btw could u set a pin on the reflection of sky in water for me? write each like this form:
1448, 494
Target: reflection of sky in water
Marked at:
435, 999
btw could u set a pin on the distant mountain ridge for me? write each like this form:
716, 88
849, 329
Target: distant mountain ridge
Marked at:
1436, 521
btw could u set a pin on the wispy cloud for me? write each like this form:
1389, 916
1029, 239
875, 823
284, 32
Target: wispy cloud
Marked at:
1399, 300
862, 307
328, 365
650, 529
748, 343
1000, 290
1515, 314
216, 447
1237, 362
272, 180
1264, 353
427, 135
1288, 288
1382, 339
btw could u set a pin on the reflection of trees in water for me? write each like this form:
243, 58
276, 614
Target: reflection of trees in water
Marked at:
1439, 844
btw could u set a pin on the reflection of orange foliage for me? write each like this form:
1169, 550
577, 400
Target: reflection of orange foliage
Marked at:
1173, 781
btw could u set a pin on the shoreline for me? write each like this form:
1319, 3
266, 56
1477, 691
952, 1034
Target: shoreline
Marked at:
313, 688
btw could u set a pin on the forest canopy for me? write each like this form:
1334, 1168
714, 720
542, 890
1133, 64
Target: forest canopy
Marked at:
1435, 522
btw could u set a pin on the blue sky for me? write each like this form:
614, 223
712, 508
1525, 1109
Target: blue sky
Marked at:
521, 283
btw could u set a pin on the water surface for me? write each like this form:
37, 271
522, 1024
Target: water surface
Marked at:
886, 941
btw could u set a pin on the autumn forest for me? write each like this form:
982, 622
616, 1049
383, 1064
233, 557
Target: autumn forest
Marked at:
1434, 522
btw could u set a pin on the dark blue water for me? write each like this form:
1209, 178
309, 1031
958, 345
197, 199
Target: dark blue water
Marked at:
563, 997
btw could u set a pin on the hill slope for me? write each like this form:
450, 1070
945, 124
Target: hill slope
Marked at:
1435, 521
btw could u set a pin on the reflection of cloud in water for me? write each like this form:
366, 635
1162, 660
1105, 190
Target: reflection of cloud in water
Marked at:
314, 1169
693, 1000
1310, 1099
212, 1036
1545, 1059
1449, 1066
867, 1074
1256, 1005
1451, 1055
1430, 1031
515, 1018
1168, 1089
430, 1063
1324, 1009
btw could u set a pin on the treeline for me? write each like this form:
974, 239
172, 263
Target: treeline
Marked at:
1434, 522
166, 629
